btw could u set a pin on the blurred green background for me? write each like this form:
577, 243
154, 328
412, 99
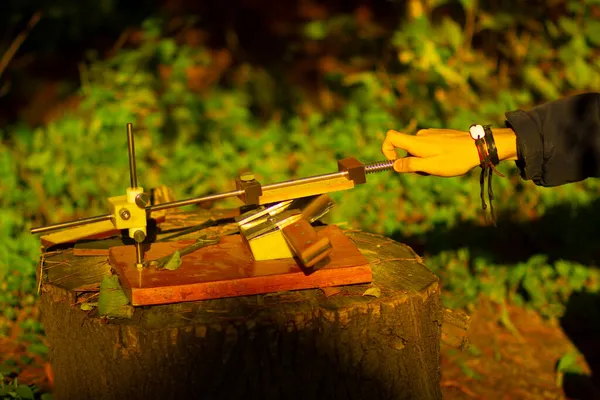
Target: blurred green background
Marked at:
286, 89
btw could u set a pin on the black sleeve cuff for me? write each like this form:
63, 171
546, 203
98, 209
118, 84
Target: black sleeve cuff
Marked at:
530, 149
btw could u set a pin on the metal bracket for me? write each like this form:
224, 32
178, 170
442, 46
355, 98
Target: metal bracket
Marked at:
356, 170
251, 187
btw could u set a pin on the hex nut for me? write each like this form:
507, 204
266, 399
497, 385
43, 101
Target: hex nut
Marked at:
124, 214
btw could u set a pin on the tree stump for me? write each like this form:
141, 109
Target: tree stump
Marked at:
376, 341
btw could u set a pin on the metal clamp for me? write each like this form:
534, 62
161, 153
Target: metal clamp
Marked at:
251, 187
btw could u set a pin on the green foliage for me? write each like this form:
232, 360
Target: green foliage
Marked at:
534, 283
14, 390
568, 363
197, 139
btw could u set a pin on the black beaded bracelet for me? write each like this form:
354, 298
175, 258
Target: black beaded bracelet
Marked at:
488, 156
491, 145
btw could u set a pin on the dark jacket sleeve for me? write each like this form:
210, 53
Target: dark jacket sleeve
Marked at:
558, 142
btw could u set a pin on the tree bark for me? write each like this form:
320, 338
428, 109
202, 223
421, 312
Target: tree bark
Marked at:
288, 345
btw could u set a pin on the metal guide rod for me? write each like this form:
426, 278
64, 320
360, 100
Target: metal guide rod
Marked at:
369, 169
195, 200
71, 224
138, 253
131, 148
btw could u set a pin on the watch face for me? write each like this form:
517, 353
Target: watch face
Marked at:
476, 132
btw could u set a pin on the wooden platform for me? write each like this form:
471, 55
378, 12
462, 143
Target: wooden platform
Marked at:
228, 269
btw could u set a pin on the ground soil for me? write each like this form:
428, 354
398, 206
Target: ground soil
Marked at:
509, 365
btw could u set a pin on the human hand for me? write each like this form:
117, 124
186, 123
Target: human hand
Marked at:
443, 152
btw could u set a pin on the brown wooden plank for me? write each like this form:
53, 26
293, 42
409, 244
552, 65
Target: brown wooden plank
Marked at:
228, 270
78, 252
95, 230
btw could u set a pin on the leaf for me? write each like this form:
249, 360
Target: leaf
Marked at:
112, 302
579, 73
507, 322
567, 363
315, 30
576, 7
592, 32
430, 56
368, 79
452, 32
450, 74
577, 47
418, 28
374, 292
437, 3
497, 21
88, 306
38, 348
26, 360
8, 370
568, 25
174, 262
167, 49
152, 28
563, 268
534, 77
538, 260
24, 392
467, 4
468, 371
552, 29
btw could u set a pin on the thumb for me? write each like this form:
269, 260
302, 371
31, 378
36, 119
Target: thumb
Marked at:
410, 164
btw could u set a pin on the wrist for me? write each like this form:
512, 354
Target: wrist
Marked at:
506, 143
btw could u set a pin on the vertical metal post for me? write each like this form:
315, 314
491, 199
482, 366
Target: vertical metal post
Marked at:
138, 254
131, 146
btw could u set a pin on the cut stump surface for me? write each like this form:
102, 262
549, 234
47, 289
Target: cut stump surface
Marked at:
367, 341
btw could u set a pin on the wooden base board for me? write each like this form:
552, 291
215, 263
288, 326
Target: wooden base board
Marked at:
228, 270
